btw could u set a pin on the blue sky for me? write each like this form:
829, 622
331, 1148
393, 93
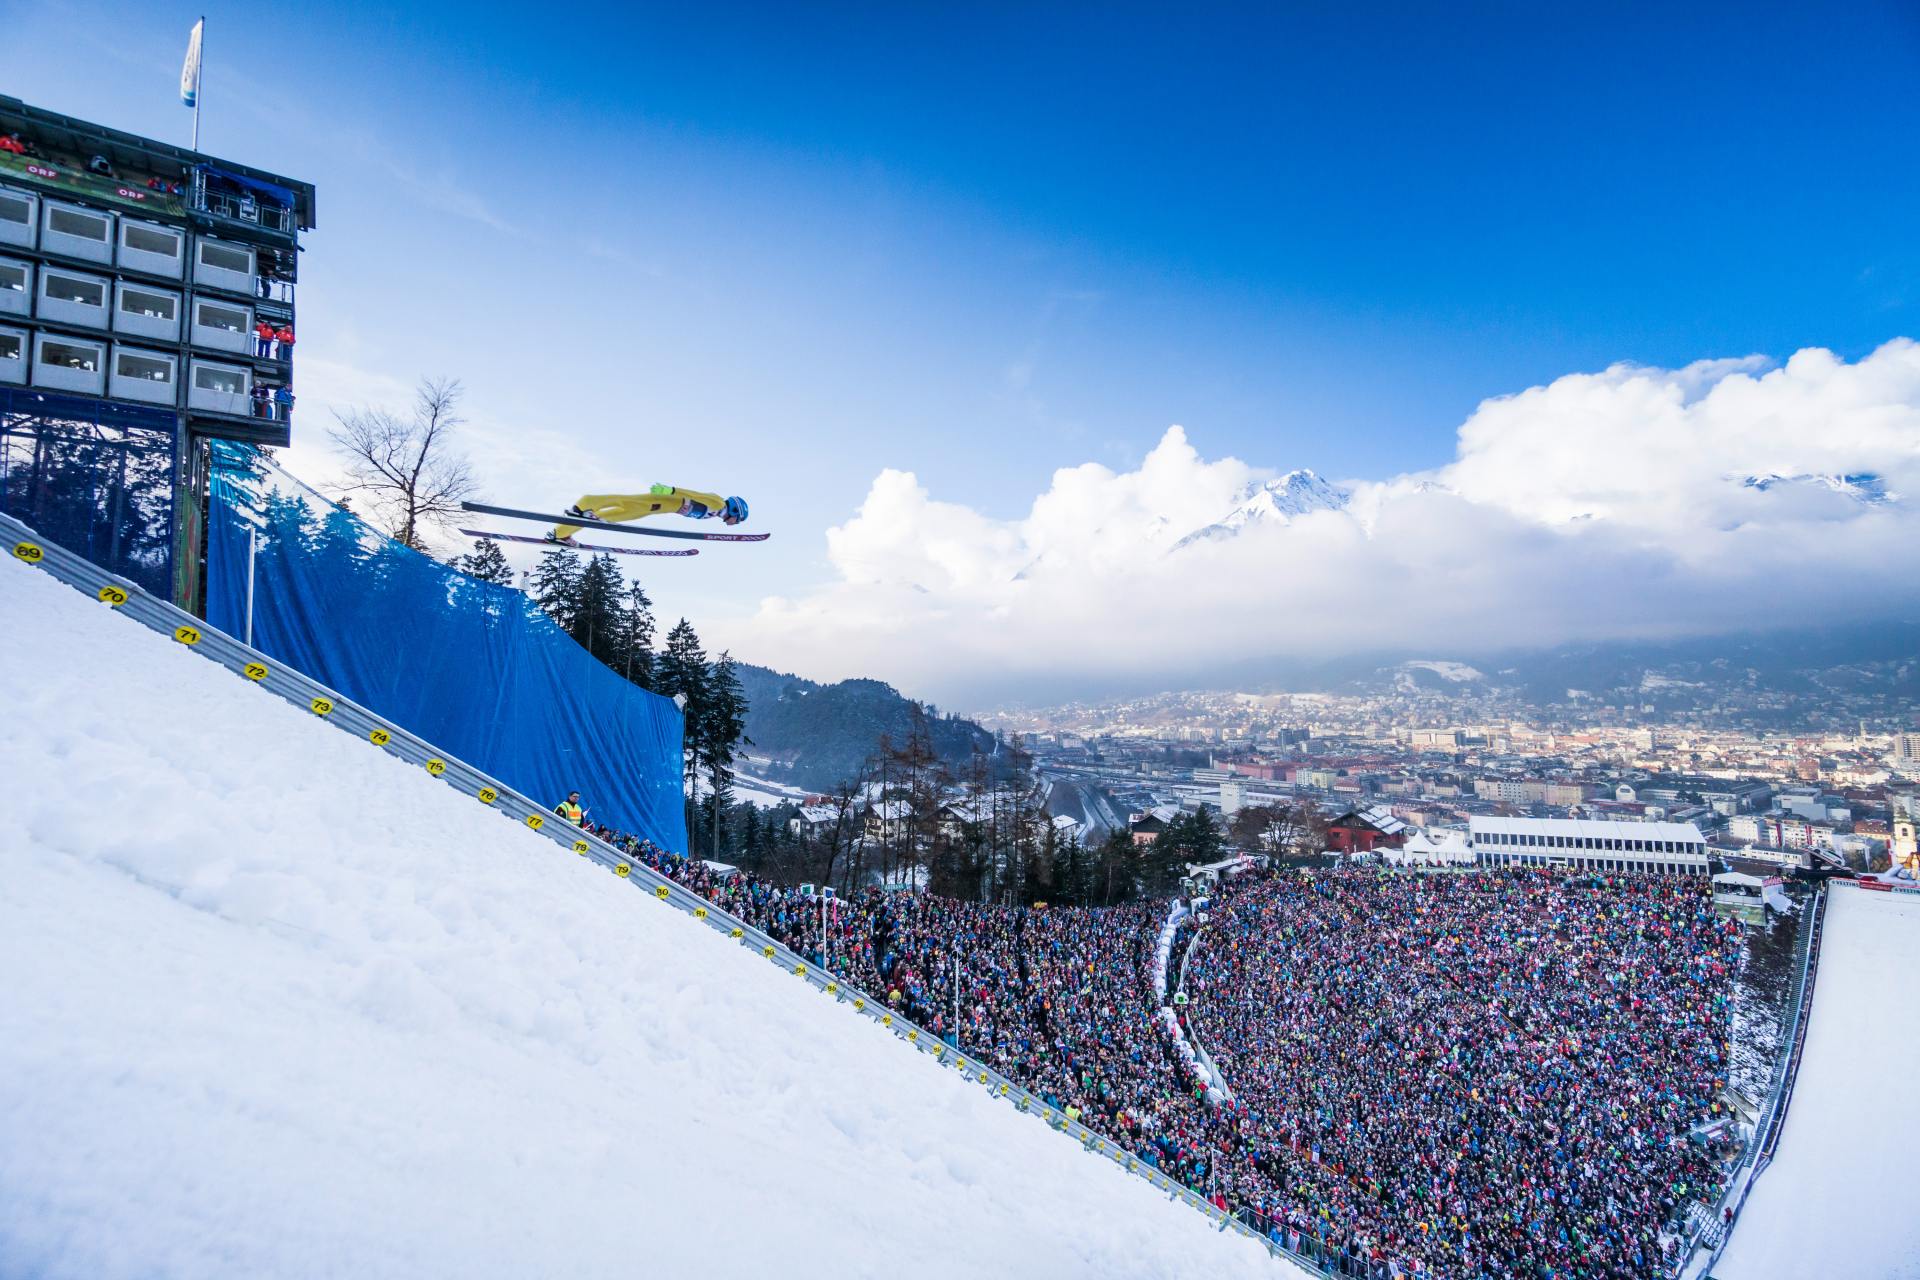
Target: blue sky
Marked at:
775, 249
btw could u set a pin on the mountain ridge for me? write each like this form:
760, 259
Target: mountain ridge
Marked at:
817, 735
1280, 500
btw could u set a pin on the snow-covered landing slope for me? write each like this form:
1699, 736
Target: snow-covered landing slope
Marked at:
273, 1003
1836, 1201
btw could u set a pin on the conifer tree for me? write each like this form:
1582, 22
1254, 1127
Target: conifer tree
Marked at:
596, 621
721, 727
636, 636
486, 562
556, 587
682, 671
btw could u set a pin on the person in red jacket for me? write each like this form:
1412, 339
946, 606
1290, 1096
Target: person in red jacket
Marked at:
284, 336
263, 339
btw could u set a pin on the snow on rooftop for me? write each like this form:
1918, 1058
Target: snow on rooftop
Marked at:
1836, 1200
1585, 828
277, 1004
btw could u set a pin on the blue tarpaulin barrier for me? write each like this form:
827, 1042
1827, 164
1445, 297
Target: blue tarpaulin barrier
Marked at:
474, 668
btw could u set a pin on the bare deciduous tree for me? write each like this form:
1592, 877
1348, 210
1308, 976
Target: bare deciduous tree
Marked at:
407, 465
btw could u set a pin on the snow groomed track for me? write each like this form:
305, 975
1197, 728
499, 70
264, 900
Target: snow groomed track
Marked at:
278, 1005
1836, 1201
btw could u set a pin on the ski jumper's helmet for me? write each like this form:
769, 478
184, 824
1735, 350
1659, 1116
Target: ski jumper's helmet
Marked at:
734, 511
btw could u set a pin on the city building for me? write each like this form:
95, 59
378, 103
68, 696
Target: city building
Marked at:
1904, 847
1436, 739
1531, 791
146, 309
1587, 845
1365, 830
1145, 828
1233, 796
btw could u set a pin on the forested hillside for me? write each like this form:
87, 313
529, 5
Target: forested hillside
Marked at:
818, 734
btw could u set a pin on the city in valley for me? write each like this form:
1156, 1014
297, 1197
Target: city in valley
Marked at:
1776, 798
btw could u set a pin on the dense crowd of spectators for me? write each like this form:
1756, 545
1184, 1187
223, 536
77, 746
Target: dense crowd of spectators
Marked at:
1474, 1076
1488, 1074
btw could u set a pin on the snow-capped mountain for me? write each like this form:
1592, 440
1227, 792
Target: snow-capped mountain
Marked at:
1276, 501
1864, 487
1430, 674
1455, 672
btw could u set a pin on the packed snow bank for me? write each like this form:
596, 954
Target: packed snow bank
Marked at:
276, 1004
1834, 1202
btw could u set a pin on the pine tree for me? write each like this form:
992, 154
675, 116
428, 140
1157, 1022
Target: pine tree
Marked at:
1189, 838
1112, 879
556, 587
721, 727
486, 562
636, 637
682, 672
597, 620
1075, 871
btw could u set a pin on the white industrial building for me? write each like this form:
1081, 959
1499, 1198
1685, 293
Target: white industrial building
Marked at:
1589, 846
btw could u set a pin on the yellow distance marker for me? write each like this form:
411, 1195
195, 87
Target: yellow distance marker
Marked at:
886, 1019
255, 671
833, 988
699, 913
28, 551
799, 971
321, 707
661, 892
115, 596
379, 737
767, 952
535, 821
187, 635
436, 766
737, 932
579, 846
623, 871
487, 795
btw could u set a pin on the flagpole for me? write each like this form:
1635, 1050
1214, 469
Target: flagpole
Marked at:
199, 82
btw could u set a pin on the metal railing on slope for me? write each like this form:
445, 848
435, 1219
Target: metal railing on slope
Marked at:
20, 543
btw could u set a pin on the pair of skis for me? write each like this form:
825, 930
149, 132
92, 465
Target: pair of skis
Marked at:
514, 513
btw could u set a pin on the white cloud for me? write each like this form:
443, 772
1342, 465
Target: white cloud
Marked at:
1598, 506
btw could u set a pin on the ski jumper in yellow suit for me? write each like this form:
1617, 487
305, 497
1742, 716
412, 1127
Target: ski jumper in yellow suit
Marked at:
660, 500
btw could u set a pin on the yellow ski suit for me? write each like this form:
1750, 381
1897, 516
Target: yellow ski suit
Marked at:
661, 500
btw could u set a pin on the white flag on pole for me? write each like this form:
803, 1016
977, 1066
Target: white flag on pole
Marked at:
190, 70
